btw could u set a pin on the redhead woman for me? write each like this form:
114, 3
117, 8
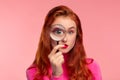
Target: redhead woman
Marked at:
61, 54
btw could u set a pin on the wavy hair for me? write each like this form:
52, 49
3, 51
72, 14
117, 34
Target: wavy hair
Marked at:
77, 64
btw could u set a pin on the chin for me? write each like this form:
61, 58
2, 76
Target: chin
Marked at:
64, 50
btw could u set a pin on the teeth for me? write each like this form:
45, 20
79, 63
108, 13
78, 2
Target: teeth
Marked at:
65, 46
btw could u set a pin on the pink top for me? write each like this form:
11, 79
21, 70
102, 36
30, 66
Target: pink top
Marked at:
94, 67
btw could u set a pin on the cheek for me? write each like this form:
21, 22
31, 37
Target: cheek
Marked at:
72, 41
72, 38
53, 43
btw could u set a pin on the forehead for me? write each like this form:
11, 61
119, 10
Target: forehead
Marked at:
67, 22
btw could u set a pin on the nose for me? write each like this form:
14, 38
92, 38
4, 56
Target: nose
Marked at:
64, 39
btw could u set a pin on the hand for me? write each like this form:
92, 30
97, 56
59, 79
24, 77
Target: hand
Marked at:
56, 60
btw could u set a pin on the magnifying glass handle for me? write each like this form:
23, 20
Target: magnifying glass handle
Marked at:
57, 44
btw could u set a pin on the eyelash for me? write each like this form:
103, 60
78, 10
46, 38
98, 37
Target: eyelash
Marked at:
71, 31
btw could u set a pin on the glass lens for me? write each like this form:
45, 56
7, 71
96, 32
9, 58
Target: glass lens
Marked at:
57, 32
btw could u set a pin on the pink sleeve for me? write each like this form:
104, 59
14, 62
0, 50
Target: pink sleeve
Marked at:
31, 71
58, 78
95, 69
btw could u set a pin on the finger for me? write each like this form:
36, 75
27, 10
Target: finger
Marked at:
56, 48
55, 58
59, 61
58, 54
59, 57
51, 57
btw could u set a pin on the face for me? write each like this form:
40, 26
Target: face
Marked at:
70, 33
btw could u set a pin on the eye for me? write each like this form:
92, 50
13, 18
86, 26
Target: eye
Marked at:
71, 32
58, 31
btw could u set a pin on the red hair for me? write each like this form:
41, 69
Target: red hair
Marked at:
77, 64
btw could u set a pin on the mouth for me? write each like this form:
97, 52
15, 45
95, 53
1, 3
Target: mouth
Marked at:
65, 46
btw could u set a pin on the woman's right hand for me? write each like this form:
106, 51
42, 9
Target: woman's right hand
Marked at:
56, 60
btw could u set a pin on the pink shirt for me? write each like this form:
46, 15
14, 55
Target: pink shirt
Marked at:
94, 67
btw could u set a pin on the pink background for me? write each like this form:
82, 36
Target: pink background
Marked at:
20, 26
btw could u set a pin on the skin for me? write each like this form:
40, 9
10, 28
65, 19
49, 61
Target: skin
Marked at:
56, 58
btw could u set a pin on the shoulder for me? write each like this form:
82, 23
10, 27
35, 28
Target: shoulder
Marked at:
31, 71
94, 68
92, 64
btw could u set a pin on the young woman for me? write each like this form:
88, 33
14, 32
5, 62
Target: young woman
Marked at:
63, 59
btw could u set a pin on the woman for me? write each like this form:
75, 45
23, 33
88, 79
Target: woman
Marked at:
64, 59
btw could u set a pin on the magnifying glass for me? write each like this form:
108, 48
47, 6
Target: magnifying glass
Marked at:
57, 32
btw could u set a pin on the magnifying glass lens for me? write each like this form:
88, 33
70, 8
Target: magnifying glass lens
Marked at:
57, 33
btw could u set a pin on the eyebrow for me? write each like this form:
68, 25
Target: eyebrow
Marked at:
72, 27
63, 26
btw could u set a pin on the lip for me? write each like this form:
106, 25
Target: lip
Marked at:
65, 46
